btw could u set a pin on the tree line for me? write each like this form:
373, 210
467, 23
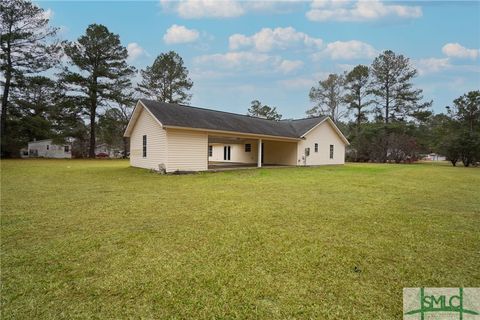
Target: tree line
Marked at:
385, 118
79, 91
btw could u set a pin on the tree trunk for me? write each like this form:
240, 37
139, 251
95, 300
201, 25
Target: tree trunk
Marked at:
93, 113
3, 123
125, 147
6, 91
359, 114
387, 103
91, 150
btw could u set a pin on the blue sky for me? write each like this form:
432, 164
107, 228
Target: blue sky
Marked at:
276, 51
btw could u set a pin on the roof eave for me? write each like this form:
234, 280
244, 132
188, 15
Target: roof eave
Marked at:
134, 116
330, 121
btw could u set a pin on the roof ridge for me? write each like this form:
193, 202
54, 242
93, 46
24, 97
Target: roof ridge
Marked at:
306, 118
203, 108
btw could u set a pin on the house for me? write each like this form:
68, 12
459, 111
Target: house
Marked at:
47, 149
104, 150
175, 137
435, 157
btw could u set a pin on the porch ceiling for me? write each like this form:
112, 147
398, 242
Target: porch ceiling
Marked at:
226, 140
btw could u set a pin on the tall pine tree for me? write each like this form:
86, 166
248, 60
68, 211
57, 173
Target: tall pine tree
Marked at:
357, 85
166, 80
27, 46
98, 69
329, 98
392, 88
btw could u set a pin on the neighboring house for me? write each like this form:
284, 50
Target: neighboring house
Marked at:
103, 149
435, 157
47, 149
174, 137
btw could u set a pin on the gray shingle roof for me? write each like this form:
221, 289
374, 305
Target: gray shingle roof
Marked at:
170, 114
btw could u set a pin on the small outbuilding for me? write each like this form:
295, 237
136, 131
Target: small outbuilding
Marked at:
173, 137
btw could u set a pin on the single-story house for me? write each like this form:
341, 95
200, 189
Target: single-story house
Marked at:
46, 149
173, 137
104, 150
435, 157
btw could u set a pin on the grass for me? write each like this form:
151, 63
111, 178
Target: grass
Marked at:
98, 239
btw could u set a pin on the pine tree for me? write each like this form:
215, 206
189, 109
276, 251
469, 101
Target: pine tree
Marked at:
392, 88
266, 112
99, 68
166, 80
357, 85
328, 98
27, 47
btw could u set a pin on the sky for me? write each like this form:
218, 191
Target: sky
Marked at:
275, 51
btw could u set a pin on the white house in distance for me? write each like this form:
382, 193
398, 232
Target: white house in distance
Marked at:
435, 157
174, 137
47, 149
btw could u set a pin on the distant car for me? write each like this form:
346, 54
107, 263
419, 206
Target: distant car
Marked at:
102, 155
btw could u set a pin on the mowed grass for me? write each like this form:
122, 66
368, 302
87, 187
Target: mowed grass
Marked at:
98, 239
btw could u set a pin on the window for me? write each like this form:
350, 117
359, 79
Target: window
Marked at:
307, 152
331, 151
316, 147
248, 147
48, 147
66, 148
144, 146
210, 151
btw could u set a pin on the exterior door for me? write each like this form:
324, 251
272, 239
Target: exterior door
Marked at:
263, 151
226, 152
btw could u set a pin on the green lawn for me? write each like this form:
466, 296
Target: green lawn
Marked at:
98, 239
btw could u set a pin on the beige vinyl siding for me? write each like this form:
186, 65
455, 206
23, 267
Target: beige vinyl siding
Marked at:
156, 142
277, 152
187, 150
325, 135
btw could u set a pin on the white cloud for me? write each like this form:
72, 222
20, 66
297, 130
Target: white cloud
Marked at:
361, 10
431, 65
347, 50
135, 51
246, 61
297, 83
194, 9
180, 34
455, 50
288, 66
269, 39
303, 82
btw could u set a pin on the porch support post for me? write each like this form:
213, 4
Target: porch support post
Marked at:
259, 161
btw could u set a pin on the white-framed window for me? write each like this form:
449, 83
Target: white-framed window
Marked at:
66, 149
210, 151
316, 147
331, 151
144, 146
248, 147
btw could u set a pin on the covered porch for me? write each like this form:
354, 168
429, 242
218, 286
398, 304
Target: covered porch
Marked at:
229, 152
